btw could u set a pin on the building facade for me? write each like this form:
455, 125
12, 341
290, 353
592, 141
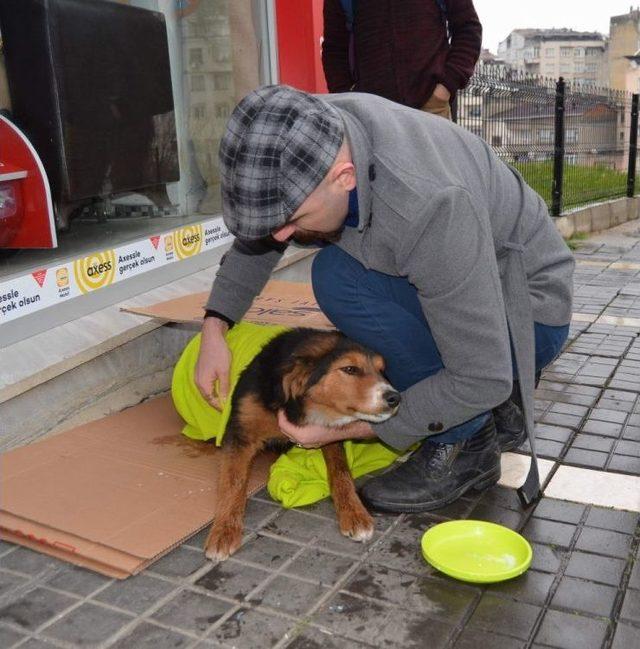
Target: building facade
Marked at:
576, 56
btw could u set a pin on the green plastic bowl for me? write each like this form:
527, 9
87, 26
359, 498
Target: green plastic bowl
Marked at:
476, 551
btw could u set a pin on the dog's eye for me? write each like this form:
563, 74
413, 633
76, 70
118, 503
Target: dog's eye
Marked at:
352, 370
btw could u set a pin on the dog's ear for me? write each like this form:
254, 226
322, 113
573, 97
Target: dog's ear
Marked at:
295, 379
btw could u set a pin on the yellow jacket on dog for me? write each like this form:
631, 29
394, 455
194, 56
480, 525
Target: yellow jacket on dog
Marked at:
297, 478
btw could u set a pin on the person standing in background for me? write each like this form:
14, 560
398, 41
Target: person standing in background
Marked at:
415, 52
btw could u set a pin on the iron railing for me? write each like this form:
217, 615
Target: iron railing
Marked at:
574, 144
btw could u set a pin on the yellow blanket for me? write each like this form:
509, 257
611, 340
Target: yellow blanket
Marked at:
298, 477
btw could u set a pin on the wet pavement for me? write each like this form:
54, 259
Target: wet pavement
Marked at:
297, 583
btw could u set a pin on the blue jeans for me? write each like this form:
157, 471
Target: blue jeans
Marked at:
383, 313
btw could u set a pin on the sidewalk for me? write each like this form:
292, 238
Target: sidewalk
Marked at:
297, 583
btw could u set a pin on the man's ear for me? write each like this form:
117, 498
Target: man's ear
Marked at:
344, 173
284, 232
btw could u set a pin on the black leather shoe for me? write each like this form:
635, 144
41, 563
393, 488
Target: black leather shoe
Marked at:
509, 426
437, 474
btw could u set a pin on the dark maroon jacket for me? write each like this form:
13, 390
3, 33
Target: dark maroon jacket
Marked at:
401, 47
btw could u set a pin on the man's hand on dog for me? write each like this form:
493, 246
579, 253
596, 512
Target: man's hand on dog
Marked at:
214, 361
315, 436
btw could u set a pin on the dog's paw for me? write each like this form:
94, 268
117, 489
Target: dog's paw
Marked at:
222, 542
357, 525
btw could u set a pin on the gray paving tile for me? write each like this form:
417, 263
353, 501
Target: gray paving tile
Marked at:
298, 526
493, 612
532, 587
628, 447
559, 510
581, 457
10, 582
266, 551
625, 464
232, 579
584, 596
180, 562
593, 443
136, 594
29, 562
471, 638
571, 631
380, 625
547, 558
9, 637
150, 636
501, 497
401, 554
447, 602
500, 515
634, 579
602, 428
288, 595
258, 512
611, 519
604, 570
313, 638
76, 580
35, 608
192, 612
553, 433
87, 625
323, 567
36, 643
631, 606
549, 532
626, 637
605, 542
249, 629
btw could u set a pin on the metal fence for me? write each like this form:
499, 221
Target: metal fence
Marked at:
573, 144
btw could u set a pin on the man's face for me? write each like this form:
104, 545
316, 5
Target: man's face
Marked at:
320, 217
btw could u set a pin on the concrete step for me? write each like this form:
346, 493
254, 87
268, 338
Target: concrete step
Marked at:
102, 362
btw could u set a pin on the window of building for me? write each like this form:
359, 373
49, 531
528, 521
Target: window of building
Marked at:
199, 111
578, 51
545, 135
566, 51
550, 51
222, 111
496, 140
195, 57
571, 136
222, 80
197, 83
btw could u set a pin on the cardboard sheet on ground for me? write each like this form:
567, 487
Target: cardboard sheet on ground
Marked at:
287, 303
113, 495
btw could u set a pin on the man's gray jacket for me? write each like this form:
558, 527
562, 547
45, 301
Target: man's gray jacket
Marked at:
438, 207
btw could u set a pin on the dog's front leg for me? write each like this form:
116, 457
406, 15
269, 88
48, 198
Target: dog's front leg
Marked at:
353, 518
225, 536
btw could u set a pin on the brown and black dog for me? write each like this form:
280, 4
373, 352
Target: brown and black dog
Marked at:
316, 377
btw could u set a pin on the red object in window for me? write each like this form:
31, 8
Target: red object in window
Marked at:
300, 28
26, 211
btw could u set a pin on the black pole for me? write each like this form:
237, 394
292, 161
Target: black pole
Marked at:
633, 147
558, 151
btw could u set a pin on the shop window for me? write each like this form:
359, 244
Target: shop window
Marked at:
218, 52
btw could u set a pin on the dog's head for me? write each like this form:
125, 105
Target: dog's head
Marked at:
332, 381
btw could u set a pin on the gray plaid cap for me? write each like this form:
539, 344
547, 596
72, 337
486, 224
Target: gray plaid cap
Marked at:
278, 145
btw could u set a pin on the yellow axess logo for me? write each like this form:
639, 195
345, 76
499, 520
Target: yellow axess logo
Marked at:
188, 241
95, 271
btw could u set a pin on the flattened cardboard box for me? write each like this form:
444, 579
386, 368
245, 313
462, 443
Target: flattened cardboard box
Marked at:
116, 494
286, 303
113, 495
